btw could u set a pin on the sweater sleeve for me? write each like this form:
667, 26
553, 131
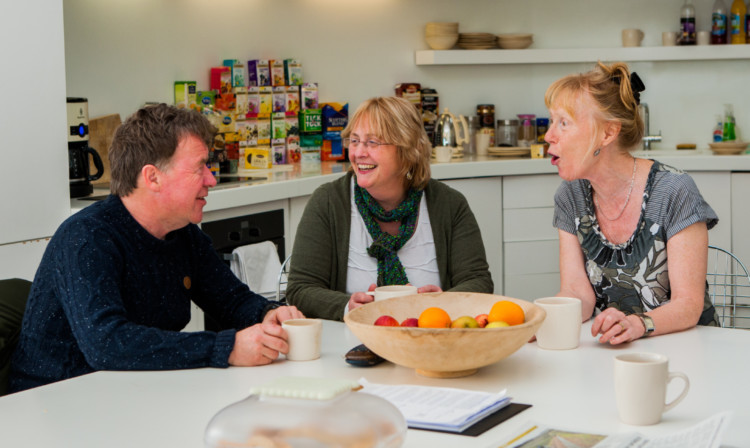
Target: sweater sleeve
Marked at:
315, 258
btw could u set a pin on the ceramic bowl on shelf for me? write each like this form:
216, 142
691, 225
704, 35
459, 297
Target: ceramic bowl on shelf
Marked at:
442, 41
728, 148
442, 352
514, 41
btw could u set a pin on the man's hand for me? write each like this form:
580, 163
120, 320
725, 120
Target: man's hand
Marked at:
259, 344
282, 313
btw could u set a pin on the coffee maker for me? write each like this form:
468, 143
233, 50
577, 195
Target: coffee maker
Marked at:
79, 150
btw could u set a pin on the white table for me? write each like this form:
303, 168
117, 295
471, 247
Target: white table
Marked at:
568, 389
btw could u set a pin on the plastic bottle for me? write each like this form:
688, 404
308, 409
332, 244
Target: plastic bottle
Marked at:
737, 22
729, 133
687, 23
718, 130
719, 23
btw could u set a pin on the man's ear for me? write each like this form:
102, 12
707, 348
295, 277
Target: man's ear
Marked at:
151, 177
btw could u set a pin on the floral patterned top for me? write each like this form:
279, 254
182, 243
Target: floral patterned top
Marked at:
633, 276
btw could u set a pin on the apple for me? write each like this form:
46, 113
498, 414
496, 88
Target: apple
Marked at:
465, 322
482, 320
497, 324
386, 321
410, 322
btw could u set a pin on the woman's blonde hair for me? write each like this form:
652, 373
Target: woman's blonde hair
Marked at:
396, 121
613, 94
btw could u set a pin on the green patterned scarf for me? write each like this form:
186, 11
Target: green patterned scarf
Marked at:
384, 245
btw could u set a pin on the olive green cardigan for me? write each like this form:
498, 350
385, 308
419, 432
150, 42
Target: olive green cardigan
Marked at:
317, 279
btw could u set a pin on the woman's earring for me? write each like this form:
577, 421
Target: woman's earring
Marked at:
408, 175
598, 150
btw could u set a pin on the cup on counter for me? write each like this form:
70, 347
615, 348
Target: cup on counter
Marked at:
304, 338
632, 37
669, 38
641, 387
483, 142
387, 292
443, 154
704, 37
561, 329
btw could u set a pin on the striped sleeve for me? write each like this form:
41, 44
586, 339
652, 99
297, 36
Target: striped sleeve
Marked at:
677, 203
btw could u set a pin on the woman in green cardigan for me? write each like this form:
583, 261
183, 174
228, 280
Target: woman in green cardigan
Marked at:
384, 223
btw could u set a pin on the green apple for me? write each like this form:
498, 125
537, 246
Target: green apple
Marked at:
497, 324
465, 322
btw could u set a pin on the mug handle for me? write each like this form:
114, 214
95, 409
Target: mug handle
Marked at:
97, 163
370, 293
673, 375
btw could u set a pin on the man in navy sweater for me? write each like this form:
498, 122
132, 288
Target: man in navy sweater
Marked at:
115, 283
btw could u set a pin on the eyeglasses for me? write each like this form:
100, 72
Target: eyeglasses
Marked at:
369, 144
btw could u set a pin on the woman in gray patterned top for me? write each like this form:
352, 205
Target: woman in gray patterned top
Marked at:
633, 232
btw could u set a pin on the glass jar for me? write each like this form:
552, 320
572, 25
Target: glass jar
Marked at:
507, 133
470, 147
486, 113
527, 130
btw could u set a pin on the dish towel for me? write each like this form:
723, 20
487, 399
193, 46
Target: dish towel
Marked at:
258, 266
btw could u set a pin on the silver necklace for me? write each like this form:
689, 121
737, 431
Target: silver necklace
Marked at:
630, 191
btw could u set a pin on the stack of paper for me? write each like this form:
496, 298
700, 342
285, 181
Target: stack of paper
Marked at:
439, 408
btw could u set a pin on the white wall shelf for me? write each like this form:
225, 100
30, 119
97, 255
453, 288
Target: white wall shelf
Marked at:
573, 55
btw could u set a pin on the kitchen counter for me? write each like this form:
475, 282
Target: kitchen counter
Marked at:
290, 181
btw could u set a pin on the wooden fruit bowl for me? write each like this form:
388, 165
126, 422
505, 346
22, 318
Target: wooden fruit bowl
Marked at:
442, 352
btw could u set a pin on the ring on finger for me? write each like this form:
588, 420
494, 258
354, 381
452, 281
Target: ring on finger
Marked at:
621, 326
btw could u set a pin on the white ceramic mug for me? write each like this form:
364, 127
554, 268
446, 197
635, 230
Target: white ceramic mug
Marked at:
641, 387
443, 154
669, 38
304, 338
632, 37
561, 329
482, 143
704, 37
387, 292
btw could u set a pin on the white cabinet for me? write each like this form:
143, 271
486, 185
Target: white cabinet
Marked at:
715, 187
484, 196
740, 216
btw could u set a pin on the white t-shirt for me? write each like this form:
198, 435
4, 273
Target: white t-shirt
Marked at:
417, 255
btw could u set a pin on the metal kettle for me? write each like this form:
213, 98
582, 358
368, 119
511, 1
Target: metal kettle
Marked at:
451, 131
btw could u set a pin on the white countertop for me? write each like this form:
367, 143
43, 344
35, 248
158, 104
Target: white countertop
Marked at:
568, 389
289, 181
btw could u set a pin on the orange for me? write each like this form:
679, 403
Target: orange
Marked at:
507, 311
434, 317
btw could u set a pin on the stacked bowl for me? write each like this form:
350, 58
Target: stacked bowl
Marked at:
441, 35
514, 41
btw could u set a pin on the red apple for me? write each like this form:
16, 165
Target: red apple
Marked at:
410, 322
386, 321
482, 320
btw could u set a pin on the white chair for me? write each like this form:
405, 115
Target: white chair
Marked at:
729, 288
282, 280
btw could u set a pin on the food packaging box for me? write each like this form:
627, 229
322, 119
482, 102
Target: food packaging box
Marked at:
309, 121
247, 132
264, 131
278, 151
292, 101
227, 122
538, 151
185, 94
332, 148
240, 103
279, 99
334, 116
258, 73
310, 152
221, 79
277, 72
278, 126
292, 72
206, 99
309, 95
410, 91
225, 102
253, 102
430, 111
265, 107
239, 72
258, 158
292, 140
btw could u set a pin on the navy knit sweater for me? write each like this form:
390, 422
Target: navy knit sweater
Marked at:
110, 296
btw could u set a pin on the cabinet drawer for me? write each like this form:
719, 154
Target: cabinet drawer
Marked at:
528, 224
530, 191
532, 286
532, 257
